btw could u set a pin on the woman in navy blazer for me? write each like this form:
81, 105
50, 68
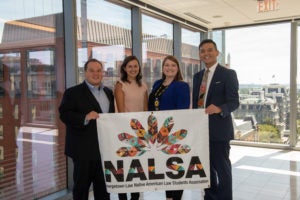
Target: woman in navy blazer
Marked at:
222, 98
170, 93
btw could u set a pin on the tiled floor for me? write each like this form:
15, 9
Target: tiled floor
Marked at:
265, 174
258, 174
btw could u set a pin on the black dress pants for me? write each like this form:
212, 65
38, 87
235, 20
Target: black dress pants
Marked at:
220, 171
174, 194
134, 196
87, 172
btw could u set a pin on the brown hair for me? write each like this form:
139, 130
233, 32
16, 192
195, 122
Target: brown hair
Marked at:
178, 76
124, 73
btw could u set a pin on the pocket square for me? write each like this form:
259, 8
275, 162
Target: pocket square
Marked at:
218, 82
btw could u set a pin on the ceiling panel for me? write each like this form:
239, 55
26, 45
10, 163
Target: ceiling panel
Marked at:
214, 14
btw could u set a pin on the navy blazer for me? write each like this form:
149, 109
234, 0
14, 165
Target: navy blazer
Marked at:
223, 92
176, 96
82, 140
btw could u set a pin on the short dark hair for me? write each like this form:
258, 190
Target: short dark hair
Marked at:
92, 60
124, 73
205, 41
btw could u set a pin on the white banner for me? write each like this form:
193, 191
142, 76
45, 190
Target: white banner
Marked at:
161, 150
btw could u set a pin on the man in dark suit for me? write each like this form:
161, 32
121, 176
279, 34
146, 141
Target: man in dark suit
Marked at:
79, 109
221, 98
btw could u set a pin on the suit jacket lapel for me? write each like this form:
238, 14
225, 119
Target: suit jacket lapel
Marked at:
212, 82
91, 99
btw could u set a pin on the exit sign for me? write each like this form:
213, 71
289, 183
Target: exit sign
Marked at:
267, 5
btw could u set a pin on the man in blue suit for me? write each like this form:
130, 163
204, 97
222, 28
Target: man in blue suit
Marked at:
79, 109
220, 99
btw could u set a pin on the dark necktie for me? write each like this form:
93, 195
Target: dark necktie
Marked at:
203, 89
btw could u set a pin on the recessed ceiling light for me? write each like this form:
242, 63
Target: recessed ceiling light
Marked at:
217, 16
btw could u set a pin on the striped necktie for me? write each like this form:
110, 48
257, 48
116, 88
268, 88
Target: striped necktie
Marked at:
203, 89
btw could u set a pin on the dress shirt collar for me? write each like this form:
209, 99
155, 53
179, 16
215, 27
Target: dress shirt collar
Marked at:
212, 68
92, 87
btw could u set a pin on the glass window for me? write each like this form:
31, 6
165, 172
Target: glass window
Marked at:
190, 55
157, 43
104, 34
262, 63
32, 160
298, 88
41, 84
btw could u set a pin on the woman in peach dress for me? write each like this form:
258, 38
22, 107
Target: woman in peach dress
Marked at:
131, 95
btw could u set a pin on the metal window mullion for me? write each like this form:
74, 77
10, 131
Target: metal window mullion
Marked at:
293, 85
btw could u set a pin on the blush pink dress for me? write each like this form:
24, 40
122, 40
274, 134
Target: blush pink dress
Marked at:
134, 96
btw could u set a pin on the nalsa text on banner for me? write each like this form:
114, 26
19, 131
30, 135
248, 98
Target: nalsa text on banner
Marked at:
138, 171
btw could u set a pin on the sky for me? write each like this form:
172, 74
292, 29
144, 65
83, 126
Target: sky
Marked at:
260, 55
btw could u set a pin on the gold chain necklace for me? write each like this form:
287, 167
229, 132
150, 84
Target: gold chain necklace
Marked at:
158, 94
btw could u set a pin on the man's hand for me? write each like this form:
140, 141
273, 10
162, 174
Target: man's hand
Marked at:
91, 115
212, 109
